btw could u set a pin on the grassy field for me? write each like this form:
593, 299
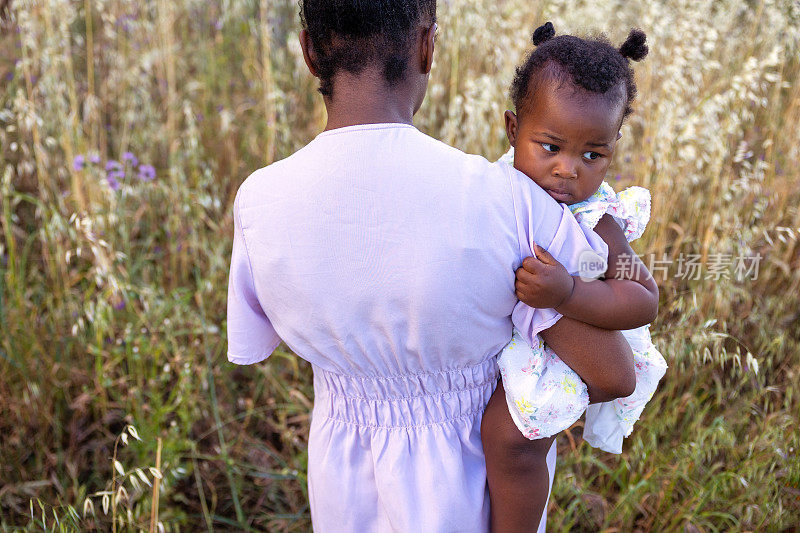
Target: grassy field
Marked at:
125, 130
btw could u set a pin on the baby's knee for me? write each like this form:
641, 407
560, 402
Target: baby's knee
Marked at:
524, 456
505, 447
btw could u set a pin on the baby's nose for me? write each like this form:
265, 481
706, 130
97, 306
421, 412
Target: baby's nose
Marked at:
566, 168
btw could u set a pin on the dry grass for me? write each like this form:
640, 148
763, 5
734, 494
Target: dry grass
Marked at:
112, 301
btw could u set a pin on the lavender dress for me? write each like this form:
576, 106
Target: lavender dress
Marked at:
386, 259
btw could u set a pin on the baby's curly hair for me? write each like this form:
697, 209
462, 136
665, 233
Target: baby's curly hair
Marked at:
350, 34
591, 63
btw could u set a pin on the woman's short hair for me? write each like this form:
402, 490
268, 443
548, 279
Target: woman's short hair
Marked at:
352, 34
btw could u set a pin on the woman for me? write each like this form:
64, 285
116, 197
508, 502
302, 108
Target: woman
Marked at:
386, 259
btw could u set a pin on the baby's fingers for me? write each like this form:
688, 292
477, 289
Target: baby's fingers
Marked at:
522, 290
524, 277
543, 255
532, 264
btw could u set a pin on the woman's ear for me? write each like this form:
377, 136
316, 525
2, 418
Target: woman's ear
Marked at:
309, 54
511, 127
428, 43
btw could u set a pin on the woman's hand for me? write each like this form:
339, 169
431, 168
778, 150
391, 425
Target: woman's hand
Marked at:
542, 281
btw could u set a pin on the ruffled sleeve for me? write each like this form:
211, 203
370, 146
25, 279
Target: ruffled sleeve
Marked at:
552, 226
630, 208
508, 157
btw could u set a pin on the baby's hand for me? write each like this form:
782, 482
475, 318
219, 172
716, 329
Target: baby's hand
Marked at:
542, 281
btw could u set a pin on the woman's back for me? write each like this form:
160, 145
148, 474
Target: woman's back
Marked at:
342, 237
386, 259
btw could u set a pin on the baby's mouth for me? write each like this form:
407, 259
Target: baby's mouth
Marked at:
559, 195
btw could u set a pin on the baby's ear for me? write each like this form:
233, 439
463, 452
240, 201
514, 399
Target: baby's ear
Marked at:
511, 127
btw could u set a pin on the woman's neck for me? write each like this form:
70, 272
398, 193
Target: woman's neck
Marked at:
364, 98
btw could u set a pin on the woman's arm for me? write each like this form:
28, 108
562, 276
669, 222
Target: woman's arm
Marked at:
602, 358
626, 299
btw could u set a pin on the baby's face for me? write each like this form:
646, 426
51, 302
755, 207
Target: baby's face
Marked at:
565, 141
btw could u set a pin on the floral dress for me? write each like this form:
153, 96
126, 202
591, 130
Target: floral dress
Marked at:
544, 395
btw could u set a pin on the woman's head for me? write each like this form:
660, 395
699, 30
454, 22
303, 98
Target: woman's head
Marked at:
349, 35
571, 96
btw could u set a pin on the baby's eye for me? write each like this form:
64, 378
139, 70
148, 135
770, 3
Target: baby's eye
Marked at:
550, 147
592, 155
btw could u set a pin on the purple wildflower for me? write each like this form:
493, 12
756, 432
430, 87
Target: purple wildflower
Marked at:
128, 156
119, 305
147, 172
123, 21
94, 158
218, 24
113, 165
78, 162
618, 177
113, 183
9, 76
116, 174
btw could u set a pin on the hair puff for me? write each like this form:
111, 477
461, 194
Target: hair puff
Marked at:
543, 33
634, 46
591, 63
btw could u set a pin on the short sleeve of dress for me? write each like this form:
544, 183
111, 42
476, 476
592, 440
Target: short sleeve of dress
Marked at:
552, 226
635, 206
251, 337
630, 209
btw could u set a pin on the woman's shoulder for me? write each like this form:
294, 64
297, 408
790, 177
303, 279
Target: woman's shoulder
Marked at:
394, 152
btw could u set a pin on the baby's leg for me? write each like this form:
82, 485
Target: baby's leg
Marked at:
516, 468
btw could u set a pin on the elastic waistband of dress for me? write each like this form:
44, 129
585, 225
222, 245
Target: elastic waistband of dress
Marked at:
410, 400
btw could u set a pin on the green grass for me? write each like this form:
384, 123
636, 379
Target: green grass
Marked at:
112, 303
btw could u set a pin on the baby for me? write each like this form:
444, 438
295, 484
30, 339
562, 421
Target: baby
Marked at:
571, 96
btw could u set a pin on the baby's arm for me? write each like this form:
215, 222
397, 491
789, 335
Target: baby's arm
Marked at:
612, 303
626, 299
